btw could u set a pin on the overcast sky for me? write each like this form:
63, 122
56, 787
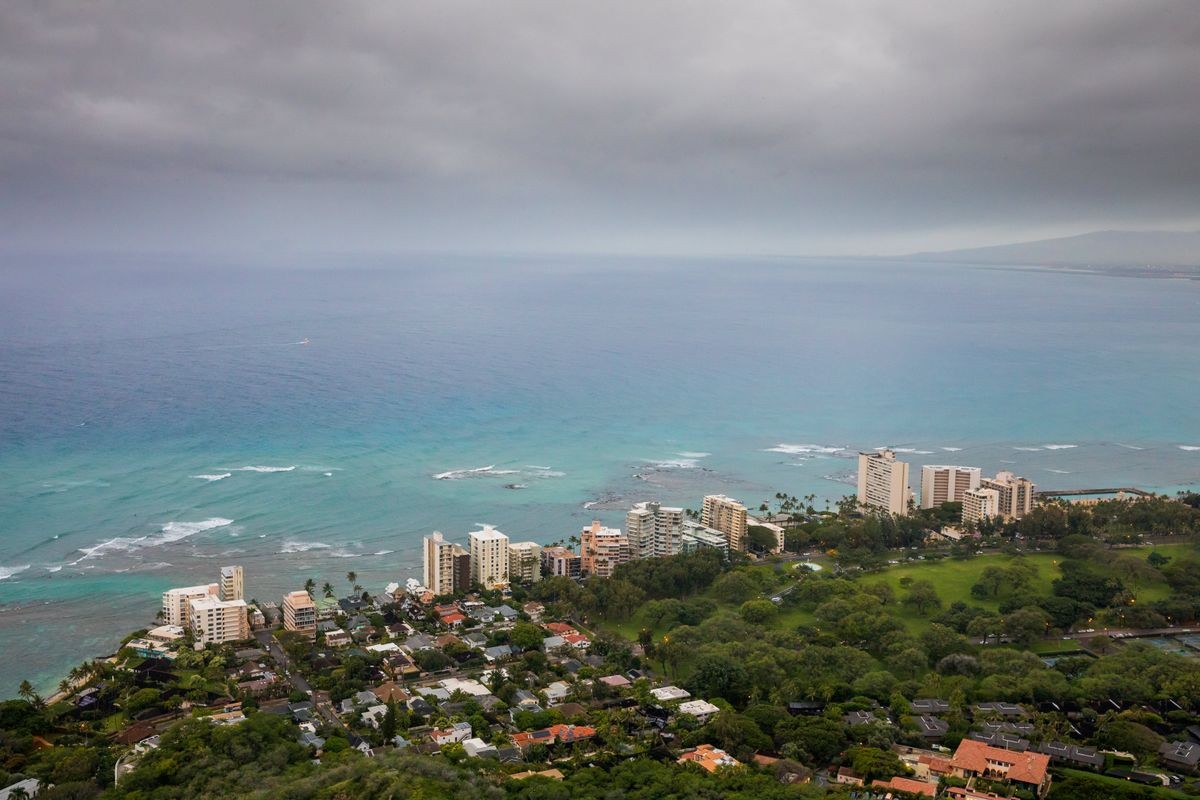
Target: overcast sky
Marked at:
690, 127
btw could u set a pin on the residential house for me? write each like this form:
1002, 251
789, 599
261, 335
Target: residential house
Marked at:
458, 732
1183, 756
975, 759
709, 758
557, 692
932, 728
702, 710
478, 748
667, 694
900, 784
1072, 755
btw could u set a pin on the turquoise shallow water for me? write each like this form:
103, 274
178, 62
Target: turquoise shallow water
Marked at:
589, 383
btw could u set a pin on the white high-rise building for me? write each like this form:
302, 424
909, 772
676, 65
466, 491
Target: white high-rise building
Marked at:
175, 602
728, 516
946, 484
216, 621
979, 504
883, 482
1016, 494
233, 585
525, 562
440, 555
653, 530
489, 557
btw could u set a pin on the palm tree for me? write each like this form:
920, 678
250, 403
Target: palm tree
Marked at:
327, 589
309, 585
352, 577
29, 694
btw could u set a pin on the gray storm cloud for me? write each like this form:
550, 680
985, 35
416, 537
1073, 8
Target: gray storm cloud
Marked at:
703, 127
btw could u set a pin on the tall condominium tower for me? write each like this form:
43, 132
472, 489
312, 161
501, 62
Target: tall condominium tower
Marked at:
946, 484
883, 482
654, 530
728, 516
489, 557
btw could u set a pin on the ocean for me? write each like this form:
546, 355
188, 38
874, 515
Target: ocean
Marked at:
162, 418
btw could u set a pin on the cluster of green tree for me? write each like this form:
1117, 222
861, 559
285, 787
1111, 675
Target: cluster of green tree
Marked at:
1116, 520
617, 598
860, 538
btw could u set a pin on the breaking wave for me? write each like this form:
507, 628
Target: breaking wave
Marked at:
1189, 447
805, 449
171, 532
259, 468
8, 572
210, 478
293, 546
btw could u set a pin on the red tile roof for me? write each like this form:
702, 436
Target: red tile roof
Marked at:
908, 785
978, 758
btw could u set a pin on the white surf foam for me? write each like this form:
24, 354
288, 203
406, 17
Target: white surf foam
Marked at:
1028, 449
1060, 471
804, 449
913, 450
1060, 446
1129, 446
1189, 447
674, 463
260, 468
342, 552
294, 546
951, 449
383, 552
215, 477
693, 454
459, 474
8, 572
55, 568
171, 532
327, 474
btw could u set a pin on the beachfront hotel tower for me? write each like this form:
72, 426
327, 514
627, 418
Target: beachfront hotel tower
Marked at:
489, 557
728, 516
883, 482
979, 504
1016, 494
175, 602
447, 565
654, 530
216, 621
941, 483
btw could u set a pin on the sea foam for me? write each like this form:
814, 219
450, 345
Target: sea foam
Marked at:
1189, 447
216, 477
293, 546
804, 449
8, 572
259, 468
170, 532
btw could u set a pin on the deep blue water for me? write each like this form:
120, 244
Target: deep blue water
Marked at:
585, 381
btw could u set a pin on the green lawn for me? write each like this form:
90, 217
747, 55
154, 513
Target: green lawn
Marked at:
953, 578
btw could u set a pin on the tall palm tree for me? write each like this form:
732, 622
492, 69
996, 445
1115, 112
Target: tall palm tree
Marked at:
352, 577
309, 585
27, 693
327, 589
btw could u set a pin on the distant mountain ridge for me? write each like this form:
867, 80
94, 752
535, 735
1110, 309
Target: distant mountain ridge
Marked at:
1140, 250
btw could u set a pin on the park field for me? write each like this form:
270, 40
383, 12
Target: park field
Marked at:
951, 577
